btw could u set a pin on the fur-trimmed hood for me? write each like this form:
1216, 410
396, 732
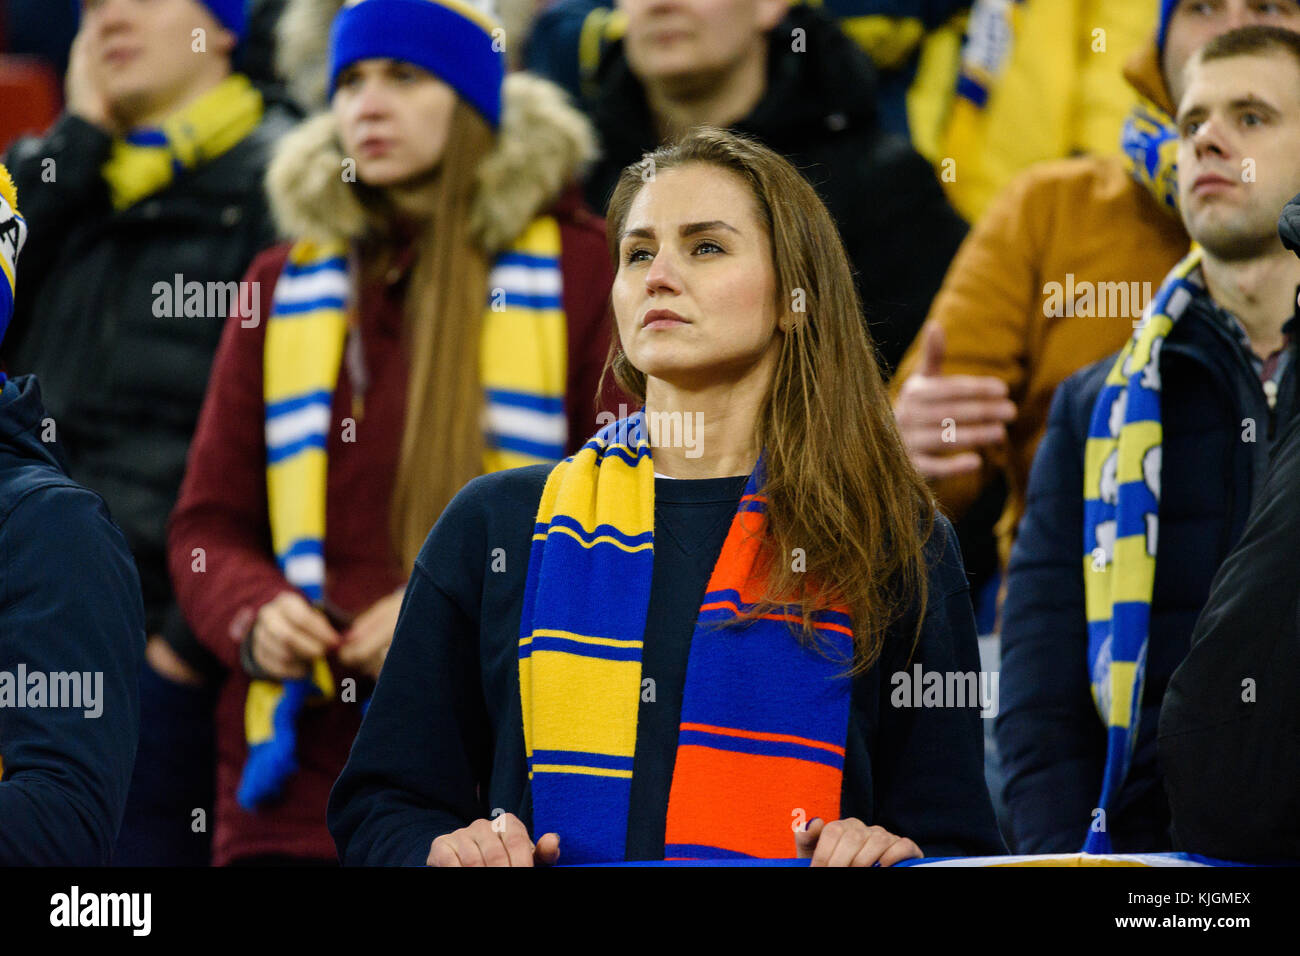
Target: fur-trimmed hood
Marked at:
543, 145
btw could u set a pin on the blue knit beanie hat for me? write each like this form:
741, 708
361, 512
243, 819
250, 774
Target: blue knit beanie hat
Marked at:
455, 40
229, 13
13, 233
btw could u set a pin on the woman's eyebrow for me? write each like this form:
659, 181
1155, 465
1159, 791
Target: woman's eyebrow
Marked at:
691, 228
688, 229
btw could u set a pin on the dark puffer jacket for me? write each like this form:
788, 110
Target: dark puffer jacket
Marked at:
819, 112
123, 384
1230, 724
1050, 738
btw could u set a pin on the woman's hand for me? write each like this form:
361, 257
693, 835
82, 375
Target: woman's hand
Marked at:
366, 642
502, 841
850, 842
289, 634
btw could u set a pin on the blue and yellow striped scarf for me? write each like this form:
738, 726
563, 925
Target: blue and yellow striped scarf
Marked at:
148, 159
1121, 488
523, 362
764, 717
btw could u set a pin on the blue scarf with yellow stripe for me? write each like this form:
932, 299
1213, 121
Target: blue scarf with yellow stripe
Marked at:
523, 359
764, 716
1121, 486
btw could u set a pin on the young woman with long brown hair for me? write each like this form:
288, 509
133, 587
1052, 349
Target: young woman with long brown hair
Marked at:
689, 643
442, 312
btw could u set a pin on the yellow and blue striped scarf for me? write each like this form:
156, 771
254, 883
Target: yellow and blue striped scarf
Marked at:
764, 716
148, 159
1121, 488
524, 369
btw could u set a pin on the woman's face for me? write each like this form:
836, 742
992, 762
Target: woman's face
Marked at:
695, 292
393, 120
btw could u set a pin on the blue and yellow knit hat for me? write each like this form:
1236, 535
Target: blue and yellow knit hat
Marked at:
452, 39
13, 233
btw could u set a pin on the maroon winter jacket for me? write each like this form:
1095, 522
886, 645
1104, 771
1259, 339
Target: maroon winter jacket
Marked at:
223, 511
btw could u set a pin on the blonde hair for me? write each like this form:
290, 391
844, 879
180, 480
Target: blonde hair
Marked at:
442, 440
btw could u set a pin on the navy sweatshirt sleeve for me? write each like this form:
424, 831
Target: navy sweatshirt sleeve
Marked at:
415, 766
69, 603
1051, 744
928, 762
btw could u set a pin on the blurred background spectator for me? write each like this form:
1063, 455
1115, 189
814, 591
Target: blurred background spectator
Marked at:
146, 188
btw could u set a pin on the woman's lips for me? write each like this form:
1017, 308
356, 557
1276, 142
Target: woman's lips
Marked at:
661, 319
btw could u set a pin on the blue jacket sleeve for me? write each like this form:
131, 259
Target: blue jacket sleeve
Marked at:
70, 611
1051, 743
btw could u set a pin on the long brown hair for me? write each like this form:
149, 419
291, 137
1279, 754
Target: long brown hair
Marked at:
838, 481
442, 440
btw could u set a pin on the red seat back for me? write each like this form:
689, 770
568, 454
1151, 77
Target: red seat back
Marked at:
30, 98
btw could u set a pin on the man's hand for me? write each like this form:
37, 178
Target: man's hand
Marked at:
944, 418
502, 841
366, 642
82, 91
850, 842
289, 634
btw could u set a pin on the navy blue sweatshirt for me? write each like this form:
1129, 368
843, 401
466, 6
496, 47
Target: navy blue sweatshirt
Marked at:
442, 743
70, 605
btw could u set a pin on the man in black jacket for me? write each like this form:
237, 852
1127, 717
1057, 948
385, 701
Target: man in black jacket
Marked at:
1226, 380
71, 634
1230, 723
790, 78
146, 206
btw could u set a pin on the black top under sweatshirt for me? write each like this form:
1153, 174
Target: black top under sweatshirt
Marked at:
442, 743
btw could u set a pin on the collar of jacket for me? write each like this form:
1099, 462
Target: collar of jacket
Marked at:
542, 146
1204, 336
827, 85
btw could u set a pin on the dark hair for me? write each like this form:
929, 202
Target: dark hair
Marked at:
838, 481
